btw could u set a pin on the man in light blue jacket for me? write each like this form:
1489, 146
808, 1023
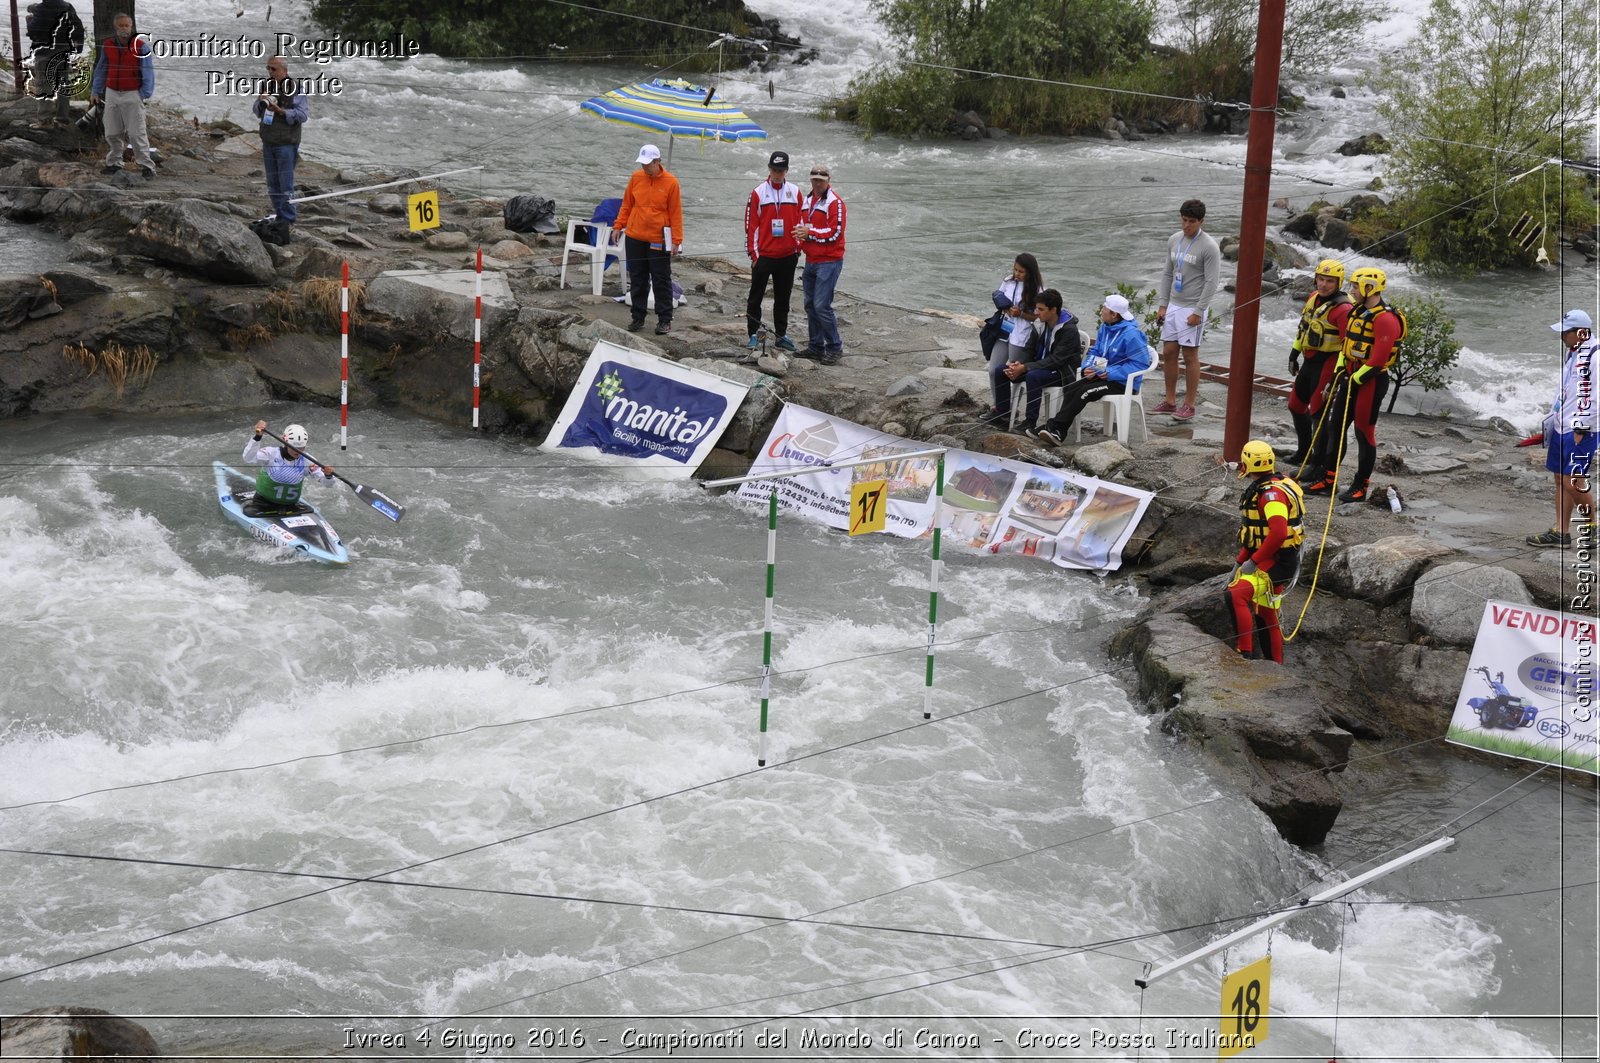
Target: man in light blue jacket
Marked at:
1119, 348
1569, 434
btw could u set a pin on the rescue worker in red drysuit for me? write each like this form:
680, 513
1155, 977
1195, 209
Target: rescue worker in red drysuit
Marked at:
1362, 380
1269, 550
1319, 340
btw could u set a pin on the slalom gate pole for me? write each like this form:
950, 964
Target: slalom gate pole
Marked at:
344, 354
933, 589
766, 620
477, 335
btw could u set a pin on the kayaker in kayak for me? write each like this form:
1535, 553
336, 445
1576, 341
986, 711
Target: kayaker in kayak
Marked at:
278, 485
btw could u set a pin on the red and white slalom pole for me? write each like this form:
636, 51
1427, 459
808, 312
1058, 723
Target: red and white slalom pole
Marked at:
477, 334
344, 354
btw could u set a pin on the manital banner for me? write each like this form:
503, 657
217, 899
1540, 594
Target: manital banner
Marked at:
1529, 688
645, 410
993, 505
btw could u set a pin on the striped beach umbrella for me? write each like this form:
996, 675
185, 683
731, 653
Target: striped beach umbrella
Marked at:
676, 108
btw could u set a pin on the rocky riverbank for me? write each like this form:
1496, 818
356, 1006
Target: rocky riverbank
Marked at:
168, 302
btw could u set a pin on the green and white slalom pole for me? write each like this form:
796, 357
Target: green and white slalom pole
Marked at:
766, 621
933, 589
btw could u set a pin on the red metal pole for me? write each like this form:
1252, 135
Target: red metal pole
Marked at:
16, 48
477, 334
344, 353
1253, 226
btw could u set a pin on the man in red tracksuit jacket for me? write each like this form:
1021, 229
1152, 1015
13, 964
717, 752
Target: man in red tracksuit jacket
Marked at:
770, 216
822, 238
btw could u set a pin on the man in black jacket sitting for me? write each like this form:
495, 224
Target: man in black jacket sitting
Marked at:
1058, 352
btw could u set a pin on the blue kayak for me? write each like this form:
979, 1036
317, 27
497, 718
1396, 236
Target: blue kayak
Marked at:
300, 528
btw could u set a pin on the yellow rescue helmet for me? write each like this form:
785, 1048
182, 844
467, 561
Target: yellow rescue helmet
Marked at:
1331, 267
1369, 280
1256, 456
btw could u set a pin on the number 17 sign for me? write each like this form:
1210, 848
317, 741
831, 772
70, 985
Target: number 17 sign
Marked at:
868, 506
1244, 1008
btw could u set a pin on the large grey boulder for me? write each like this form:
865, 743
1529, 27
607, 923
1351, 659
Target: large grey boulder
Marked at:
24, 297
1381, 572
440, 304
73, 1032
1102, 459
754, 417
201, 238
1448, 600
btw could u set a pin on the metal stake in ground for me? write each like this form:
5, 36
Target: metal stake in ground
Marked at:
766, 621
344, 354
477, 334
933, 589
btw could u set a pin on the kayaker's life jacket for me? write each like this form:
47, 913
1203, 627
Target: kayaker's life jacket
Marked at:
1253, 521
1317, 333
1359, 335
280, 481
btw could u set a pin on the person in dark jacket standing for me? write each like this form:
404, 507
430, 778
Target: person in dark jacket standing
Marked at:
282, 109
56, 33
125, 77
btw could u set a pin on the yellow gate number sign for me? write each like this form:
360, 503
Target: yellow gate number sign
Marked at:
423, 210
1244, 1008
868, 506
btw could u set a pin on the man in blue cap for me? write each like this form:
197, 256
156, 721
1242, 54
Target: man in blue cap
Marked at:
1569, 433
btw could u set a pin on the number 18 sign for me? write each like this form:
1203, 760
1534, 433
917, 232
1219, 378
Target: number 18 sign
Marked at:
1244, 1008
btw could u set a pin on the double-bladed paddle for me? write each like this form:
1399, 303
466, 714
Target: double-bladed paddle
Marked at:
371, 496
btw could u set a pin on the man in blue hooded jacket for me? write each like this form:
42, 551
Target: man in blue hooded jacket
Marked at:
1119, 348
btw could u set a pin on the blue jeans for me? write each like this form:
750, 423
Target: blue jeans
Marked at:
279, 160
822, 327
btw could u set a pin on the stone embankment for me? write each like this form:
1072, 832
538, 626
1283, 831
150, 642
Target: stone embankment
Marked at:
169, 302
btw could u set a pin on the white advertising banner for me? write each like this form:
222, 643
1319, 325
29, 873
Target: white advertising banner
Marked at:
992, 505
641, 410
1529, 688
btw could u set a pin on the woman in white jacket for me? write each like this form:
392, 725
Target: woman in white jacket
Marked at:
1014, 299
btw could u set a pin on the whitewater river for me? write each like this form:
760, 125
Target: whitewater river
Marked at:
533, 700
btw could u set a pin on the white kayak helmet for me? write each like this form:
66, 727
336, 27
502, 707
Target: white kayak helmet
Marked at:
295, 436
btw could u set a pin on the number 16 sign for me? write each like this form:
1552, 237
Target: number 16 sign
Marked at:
1244, 1008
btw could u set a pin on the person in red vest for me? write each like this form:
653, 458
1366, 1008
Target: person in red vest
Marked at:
124, 78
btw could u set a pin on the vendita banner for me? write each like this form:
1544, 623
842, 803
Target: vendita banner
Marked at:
1529, 688
991, 505
644, 410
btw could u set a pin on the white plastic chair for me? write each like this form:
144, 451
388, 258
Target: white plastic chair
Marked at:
596, 253
1117, 410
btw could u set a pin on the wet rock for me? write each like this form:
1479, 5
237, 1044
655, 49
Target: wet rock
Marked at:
1303, 225
1338, 92
197, 236
65, 174
1269, 727
1448, 600
77, 1033
1369, 144
1333, 232
1380, 572
25, 297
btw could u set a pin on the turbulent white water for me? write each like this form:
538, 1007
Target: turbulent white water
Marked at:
584, 647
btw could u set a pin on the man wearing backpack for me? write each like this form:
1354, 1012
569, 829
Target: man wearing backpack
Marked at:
56, 33
1360, 383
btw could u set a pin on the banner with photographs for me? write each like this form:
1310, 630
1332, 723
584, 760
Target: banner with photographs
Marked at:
1529, 688
991, 505
645, 410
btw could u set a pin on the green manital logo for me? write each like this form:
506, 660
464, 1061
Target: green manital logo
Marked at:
609, 387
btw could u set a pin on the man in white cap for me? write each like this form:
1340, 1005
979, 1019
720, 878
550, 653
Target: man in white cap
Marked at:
1569, 433
1118, 348
651, 205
